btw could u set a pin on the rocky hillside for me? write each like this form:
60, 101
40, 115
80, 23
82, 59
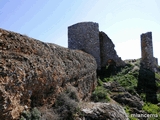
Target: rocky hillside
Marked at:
43, 81
134, 88
33, 73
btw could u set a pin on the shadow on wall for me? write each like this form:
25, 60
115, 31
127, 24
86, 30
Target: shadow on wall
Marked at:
147, 84
108, 70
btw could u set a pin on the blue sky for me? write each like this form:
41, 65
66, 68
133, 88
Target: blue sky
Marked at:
122, 20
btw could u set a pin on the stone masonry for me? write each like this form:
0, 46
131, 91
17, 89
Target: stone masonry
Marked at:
85, 36
148, 61
108, 51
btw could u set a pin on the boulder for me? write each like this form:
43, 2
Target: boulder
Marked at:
128, 99
113, 86
135, 111
104, 111
33, 73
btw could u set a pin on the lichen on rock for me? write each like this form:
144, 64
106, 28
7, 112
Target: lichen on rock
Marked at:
33, 73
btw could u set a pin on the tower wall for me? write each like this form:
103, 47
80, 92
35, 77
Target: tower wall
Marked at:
107, 51
85, 36
147, 51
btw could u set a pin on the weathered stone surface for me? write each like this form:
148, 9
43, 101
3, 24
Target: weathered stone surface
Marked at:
104, 111
113, 86
128, 99
85, 36
107, 51
33, 73
148, 61
139, 112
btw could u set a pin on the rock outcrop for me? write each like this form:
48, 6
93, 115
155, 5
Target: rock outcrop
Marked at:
33, 73
128, 99
113, 86
104, 111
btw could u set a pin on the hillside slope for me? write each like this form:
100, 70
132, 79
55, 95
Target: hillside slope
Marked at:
43, 81
126, 88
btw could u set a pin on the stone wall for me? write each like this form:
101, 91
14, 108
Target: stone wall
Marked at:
108, 51
147, 51
85, 36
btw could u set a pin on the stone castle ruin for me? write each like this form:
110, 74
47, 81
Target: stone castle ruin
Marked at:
107, 51
148, 61
86, 36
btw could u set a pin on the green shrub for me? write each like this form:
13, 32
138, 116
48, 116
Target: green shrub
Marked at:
135, 74
126, 69
100, 95
157, 76
158, 84
143, 96
128, 111
127, 81
151, 108
26, 115
22, 118
67, 105
158, 97
34, 114
100, 83
107, 79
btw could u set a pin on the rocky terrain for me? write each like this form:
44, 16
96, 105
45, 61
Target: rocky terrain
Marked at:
33, 73
44, 81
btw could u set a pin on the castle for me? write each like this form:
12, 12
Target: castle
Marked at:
86, 36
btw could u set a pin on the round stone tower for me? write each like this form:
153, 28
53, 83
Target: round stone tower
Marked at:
85, 36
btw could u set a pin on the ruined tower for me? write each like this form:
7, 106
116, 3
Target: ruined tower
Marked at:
146, 77
85, 36
147, 51
107, 51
